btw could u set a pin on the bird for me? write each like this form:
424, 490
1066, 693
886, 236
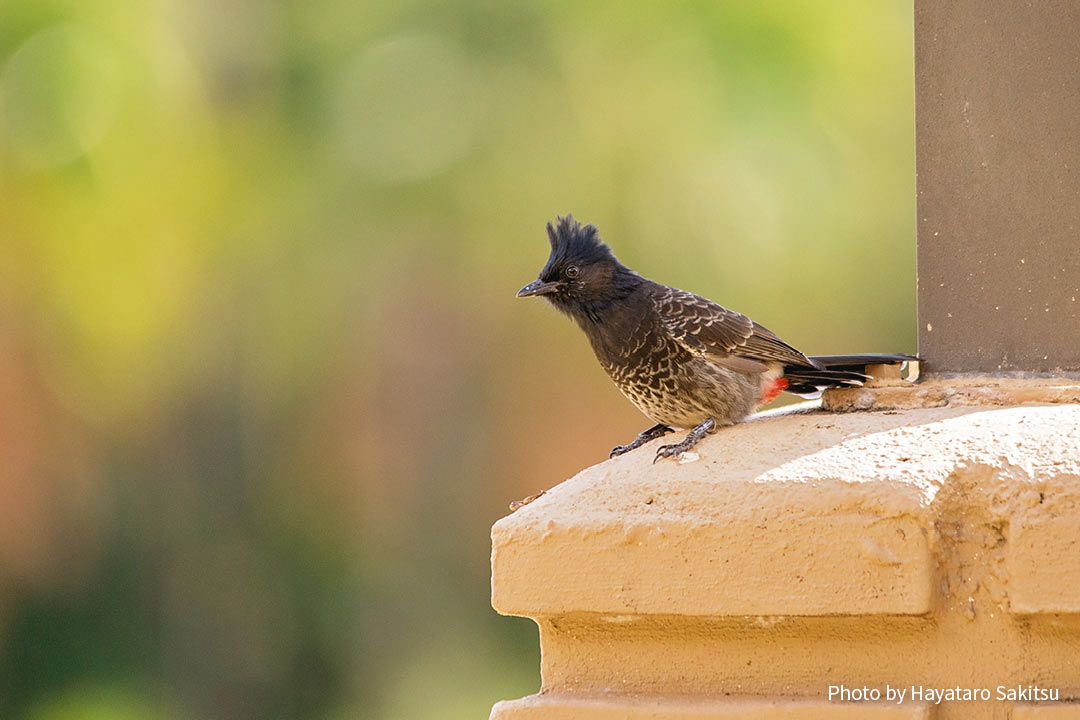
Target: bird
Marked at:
683, 360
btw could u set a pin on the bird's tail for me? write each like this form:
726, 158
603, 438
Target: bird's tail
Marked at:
832, 371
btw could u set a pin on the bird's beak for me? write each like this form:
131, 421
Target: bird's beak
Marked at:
538, 287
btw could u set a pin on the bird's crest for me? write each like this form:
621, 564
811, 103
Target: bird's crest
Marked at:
573, 242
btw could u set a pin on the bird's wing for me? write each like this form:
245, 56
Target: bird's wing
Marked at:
727, 337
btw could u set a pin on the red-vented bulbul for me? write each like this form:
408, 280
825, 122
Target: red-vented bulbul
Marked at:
683, 360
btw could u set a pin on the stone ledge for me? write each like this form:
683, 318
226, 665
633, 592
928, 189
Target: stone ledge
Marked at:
549, 706
932, 546
802, 514
694, 566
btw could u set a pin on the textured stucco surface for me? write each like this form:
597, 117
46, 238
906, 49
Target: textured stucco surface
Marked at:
953, 392
934, 546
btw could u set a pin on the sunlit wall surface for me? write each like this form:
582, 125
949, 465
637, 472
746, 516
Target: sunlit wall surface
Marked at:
264, 385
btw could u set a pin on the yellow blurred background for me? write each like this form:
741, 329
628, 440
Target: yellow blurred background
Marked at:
264, 385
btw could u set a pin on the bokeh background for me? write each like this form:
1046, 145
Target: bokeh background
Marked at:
264, 385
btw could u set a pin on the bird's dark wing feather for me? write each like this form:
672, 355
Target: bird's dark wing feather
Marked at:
706, 328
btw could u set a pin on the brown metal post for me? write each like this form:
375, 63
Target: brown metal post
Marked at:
997, 86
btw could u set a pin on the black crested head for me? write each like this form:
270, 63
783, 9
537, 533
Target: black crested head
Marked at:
573, 243
582, 276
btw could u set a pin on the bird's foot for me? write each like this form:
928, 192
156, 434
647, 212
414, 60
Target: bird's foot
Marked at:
645, 436
688, 442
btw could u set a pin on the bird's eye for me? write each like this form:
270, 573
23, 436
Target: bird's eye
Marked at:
572, 271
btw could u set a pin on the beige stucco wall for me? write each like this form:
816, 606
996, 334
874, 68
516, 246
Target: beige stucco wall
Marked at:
933, 547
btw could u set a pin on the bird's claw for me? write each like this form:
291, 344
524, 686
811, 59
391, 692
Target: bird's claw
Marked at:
670, 450
643, 437
688, 442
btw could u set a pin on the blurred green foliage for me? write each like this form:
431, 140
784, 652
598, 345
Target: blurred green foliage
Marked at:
263, 382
